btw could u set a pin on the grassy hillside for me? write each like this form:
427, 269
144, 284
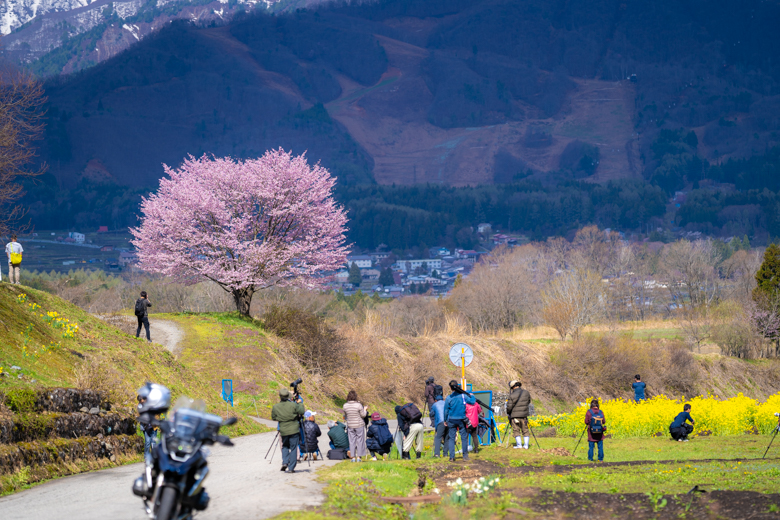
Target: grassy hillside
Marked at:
98, 356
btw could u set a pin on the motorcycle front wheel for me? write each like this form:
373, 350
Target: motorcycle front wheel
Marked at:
167, 506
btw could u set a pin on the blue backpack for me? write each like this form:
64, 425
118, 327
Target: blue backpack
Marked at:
383, 434
597, 422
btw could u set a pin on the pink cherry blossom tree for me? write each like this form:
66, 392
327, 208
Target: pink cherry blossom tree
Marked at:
246, 225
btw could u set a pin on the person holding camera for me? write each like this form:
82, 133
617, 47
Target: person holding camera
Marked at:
455, 418
379, 440
679, 429
440, 438
639, 388
288, 414
354, 415
596, 424
517, 408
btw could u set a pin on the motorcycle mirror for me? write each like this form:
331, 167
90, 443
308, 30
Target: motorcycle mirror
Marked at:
229, 421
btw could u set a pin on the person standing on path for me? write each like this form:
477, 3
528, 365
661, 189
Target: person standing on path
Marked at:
354, 415
596, 425
142, 305
639, 388
440, 438
14, 252
455, 418
288, 414
517, 408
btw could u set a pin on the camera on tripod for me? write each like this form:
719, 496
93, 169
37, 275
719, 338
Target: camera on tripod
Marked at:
294, 386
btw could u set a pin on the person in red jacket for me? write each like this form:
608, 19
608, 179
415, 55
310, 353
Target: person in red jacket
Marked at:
596, 425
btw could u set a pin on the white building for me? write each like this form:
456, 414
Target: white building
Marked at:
78, 237
409, 266
362, 261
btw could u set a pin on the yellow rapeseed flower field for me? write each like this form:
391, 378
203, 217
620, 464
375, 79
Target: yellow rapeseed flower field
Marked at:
716, 416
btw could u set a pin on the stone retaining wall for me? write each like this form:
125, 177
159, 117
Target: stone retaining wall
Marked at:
30, 427
15, 456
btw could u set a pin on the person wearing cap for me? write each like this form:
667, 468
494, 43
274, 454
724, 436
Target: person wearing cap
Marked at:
378, 438
455, 418
311, 431
337, 433
288, 415
517, 409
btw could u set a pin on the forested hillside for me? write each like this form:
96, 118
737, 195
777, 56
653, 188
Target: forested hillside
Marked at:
531, 96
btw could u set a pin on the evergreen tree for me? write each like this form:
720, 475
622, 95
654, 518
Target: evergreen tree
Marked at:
355, 278
386, 277
745, 243
768, 276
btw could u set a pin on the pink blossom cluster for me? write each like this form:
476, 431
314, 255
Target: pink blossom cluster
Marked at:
244, 224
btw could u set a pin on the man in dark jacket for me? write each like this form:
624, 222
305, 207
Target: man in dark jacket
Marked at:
142, 305
378, 438
430, 398
311, 431
288, 415
679, 427
337, 433
412, 431
455, 418
517, 409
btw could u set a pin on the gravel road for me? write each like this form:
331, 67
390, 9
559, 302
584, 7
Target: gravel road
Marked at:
241, 485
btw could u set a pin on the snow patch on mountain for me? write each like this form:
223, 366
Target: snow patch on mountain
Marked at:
15, 13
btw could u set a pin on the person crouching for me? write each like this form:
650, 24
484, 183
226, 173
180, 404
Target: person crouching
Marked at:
311, 431
680, 429
379, 441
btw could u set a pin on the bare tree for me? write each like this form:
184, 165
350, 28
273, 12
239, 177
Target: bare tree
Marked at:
740, 271
572, 300
21, 123
499, 293
688, 269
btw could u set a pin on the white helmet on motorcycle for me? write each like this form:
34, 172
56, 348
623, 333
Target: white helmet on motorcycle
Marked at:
153, 398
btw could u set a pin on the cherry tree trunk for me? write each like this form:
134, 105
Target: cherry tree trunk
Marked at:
243, 299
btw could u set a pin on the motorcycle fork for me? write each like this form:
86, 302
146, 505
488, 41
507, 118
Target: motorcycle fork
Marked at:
157, 489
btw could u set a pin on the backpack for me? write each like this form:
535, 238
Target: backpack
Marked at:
472, 413
438, 390
597, 422
337, 454
140, 308
383, 435
411, 413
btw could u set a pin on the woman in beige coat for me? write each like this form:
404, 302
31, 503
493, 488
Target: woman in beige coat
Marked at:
354, 413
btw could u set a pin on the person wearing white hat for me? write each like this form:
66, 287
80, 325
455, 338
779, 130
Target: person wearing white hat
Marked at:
311, 432
517, 409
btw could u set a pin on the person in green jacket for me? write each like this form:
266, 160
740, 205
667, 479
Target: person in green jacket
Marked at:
337, 432
288, 414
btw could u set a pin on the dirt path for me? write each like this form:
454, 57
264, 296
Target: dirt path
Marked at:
241, 485
167, 334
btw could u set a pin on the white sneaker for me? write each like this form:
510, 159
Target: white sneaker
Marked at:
354, 460
373, 458
518, 447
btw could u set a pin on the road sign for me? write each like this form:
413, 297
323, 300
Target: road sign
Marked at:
227, 391
459, 349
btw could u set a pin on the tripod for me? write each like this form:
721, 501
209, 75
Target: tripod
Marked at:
578, 442
770, 442
273, 445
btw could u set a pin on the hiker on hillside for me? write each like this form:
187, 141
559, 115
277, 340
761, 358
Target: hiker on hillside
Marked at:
639, 388
354, 414
679, 427
311, 432
410, 422
142, 305
440, 438
288, 415
596, 424
13, 251
378, 438
337, 433
517, 409
455, 418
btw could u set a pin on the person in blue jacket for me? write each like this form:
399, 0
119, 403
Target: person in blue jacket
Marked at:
440, 439
679, 427
639, 388
455, 418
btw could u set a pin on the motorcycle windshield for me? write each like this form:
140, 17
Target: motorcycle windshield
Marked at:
187, 417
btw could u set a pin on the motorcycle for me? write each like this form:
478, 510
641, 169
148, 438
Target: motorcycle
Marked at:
172, 484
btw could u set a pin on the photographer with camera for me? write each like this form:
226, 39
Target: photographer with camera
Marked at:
288, 414
455, 418
679, 429
354, 415
517, 409
410, 423
595, 423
